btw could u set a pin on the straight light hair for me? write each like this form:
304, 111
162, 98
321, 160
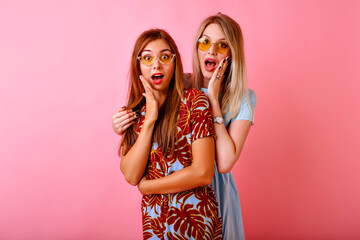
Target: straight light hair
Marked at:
234, 86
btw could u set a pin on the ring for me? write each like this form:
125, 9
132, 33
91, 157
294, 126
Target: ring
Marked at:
218, 76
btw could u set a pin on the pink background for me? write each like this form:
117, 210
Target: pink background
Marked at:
63, 69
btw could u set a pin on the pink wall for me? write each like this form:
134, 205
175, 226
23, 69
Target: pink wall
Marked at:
63, 68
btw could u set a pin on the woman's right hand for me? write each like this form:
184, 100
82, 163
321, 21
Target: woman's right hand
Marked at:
151, 103
122, 119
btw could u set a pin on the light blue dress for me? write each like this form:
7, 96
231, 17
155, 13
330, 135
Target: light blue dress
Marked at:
224, 184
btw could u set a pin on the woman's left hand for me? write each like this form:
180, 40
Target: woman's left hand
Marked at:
216, 80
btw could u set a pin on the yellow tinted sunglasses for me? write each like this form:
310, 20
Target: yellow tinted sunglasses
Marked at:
221, 46
164, 58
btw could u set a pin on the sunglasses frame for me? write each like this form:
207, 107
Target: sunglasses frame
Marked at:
157, 57
212, 43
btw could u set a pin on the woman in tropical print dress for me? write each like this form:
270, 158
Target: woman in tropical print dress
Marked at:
225, 84
169, 151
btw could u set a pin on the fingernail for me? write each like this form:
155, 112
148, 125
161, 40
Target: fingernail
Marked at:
224, 60
219, 67
123, 106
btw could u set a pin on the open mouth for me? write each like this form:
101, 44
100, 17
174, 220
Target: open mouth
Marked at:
157, 78
210, 64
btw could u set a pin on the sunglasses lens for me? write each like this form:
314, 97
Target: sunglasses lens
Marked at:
222, 47
166, 58
204, 44
147, 59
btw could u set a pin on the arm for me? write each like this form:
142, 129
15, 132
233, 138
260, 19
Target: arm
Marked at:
133, 164
229, 143
199, 173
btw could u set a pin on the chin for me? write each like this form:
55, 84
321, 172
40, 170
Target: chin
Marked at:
207, 75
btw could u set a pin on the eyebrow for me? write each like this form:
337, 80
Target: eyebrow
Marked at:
211, 38
164, 50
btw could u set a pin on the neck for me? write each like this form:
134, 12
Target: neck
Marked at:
160, 98
205, 83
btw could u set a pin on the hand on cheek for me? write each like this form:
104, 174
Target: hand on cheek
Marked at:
216, 80
151, 103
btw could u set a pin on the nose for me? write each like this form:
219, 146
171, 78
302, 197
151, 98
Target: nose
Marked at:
212, 49
156, 64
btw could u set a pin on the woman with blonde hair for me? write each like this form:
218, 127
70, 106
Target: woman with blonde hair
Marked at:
219, 71
169, 151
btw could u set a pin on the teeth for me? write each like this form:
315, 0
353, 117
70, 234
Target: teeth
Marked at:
155, 76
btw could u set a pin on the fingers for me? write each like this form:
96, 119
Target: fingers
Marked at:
224, 67
151, 102
121, 128
118, 115
123, 119
125, 122
149, 93
220, 70
146, 85
216, 72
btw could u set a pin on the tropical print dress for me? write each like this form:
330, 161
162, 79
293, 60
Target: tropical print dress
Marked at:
192, 214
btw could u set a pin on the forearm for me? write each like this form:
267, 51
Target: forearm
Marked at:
199, 173
226, 152
133, 164
228, 148
182, 180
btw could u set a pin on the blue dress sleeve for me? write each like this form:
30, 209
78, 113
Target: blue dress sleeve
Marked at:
246, 111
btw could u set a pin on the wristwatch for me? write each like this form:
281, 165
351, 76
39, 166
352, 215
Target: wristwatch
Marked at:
218, 119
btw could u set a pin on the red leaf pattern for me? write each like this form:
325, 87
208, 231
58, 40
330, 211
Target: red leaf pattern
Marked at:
192, 214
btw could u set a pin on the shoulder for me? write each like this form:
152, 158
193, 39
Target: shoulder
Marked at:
252, 96
194, 98
194, 93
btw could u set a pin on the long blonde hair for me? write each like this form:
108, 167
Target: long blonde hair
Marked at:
234, 86
165, 127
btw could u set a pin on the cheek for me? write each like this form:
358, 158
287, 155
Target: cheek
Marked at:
141, 69
200, 55
144, 71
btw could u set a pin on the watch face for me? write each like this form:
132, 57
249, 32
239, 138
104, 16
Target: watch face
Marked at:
218, 119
